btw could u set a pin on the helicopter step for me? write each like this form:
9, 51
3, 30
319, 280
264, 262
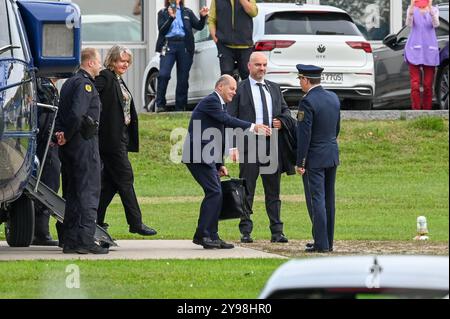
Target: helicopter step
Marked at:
57, 206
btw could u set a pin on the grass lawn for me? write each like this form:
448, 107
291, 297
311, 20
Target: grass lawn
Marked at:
390, 173
158, 279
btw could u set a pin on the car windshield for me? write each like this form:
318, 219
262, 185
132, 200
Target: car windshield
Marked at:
310, 23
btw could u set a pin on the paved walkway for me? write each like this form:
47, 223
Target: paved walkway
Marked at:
135, 250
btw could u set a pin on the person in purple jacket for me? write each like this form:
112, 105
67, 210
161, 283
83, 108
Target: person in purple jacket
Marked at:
422, 50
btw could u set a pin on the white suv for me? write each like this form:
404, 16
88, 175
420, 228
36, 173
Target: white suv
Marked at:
288, 34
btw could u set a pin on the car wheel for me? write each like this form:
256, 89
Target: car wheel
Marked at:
150, 91
19, 229
442, 87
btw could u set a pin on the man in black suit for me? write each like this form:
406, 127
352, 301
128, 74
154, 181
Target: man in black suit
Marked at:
318, 154
260, 101
203, 156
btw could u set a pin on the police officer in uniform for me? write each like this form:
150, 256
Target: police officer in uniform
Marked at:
77, 135
318, 154
47, 94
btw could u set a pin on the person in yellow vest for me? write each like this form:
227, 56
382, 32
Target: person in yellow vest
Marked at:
232, 31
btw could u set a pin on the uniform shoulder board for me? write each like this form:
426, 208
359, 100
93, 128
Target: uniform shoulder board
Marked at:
88, 88
300, 116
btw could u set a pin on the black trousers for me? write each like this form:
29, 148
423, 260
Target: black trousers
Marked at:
228, 59
117, 177
271, 184
80, 171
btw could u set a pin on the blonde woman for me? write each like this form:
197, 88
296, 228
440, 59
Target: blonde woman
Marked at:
118, 135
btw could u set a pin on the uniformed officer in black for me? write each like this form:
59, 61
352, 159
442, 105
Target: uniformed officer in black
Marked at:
77, 135
318, 154
47, 94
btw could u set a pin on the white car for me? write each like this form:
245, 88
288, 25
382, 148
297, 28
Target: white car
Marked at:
110, 28
360, 277
288, 34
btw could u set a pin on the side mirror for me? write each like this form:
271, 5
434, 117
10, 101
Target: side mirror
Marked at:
390, 40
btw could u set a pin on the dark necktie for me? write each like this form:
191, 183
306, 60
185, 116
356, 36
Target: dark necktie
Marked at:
264, 103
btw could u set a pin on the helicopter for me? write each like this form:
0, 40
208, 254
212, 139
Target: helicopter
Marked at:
42, 39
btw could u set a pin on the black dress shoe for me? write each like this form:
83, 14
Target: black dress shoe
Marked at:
246, 239
197, 241
208, 243
224, 245
143, 230
44, 242
95, 249
315, 250
309, 245
279, 239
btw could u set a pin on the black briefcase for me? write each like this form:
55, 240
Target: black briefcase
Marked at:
234, 204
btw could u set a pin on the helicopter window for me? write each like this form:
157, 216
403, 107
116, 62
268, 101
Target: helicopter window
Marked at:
4, 38
10, 36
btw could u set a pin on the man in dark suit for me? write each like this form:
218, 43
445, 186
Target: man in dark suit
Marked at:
203, 156
318, 154
260, 101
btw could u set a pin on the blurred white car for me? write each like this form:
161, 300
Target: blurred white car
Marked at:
288, 34
360, 277
110, 28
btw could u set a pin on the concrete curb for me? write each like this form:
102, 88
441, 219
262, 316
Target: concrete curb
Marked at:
374, 115
390, 115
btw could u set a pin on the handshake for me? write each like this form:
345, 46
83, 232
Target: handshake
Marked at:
261, 129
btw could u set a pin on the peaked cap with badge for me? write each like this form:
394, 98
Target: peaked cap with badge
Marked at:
309, 71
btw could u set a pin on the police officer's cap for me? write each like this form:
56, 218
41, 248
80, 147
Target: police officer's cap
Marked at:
309, 71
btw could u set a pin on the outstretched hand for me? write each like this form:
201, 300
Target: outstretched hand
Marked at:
262, 129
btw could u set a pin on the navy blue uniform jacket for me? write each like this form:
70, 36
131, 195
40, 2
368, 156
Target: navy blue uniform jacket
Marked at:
78, 97
189, 21
317, 129
209, 113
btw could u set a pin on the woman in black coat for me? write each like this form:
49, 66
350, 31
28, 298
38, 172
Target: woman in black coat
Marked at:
118, 135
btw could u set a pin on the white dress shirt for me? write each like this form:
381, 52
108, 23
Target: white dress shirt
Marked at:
258, 101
